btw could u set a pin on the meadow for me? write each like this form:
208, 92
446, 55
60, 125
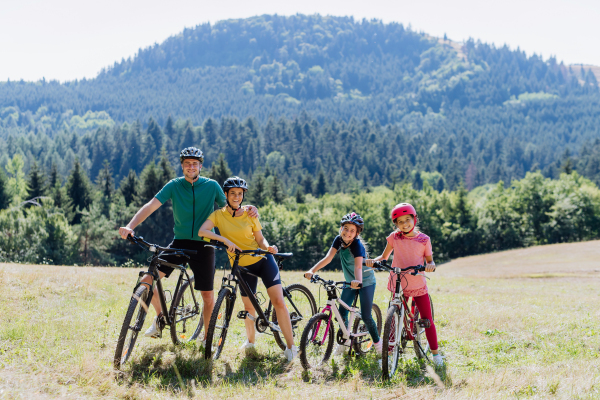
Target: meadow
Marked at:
516, 324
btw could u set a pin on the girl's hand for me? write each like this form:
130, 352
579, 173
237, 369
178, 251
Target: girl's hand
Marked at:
231, 247
272, 249
308, 275
354, 284
369, 262
429, 267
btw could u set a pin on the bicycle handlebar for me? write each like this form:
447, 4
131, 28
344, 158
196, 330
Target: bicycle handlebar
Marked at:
383, 266
339, 284
257, 252
153, 247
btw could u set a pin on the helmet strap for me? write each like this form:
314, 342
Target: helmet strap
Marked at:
230, 206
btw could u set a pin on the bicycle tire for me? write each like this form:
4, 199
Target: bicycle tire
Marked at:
392, 342
184, 307
128, 336
221, 315
420, 343
310, 355
363, 346
297, 326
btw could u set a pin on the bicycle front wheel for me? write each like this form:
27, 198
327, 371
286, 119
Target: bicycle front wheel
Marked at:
392, 342
136, 311
363, 344
219, 324
188, 320
302, 305
316, 343
420, 343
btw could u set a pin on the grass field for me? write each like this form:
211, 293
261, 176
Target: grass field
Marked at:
518, 324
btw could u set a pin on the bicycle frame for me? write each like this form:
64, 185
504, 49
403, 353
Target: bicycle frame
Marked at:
331, 307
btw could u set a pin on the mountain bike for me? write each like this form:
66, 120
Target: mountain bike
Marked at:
299, 300
402, 324
316, 343
184, 317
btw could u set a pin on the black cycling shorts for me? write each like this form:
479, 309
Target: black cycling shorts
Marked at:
202, 263
268, 271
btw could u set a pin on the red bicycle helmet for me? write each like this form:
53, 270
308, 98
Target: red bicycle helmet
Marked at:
404, 209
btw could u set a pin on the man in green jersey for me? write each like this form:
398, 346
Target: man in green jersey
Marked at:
193, 200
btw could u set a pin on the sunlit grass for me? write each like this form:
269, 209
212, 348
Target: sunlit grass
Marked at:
535, 337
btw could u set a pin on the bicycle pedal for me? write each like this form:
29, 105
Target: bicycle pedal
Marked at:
424, 323
242, 314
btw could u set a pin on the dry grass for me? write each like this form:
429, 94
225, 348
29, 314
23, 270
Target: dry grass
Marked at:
535, 335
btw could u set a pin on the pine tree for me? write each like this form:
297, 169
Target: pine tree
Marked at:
5, 196
166, 169
321, 187
277, 194
220, 170
155, 133
129, 187
258, 188
55, 189
106, 186
79, 191
299, 196
307, 184
36, 182
17, 185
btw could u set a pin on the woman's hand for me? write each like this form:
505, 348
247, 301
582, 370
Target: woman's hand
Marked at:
354, 284
231, 247
308, 275
272, 249
429, 267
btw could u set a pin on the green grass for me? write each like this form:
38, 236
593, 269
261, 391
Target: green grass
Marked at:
503, 338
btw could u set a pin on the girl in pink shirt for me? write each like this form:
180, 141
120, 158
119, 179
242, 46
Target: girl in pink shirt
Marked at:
411, 248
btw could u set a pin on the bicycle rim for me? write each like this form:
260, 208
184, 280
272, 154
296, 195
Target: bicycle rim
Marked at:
132, 325
316, 343
306, 306
188, 320
218, 326
391, 346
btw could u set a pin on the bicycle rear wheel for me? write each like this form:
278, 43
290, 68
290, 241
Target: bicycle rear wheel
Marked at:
392, 342
364, 344
219, 324
188, 320
129, 333
316, 343
305, 302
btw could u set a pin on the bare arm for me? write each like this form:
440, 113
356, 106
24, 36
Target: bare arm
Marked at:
140, 217
358, 261
205, 231
330, 254
384, 256
262, 242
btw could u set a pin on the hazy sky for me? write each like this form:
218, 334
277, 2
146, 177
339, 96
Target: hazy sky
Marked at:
72, 39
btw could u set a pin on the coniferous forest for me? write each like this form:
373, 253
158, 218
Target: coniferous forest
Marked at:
322, 115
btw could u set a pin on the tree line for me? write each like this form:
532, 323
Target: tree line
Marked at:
43, 220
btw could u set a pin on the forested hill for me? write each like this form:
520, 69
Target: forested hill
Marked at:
332, 67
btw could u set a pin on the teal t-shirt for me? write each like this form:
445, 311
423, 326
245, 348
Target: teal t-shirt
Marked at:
192, 204
347, 256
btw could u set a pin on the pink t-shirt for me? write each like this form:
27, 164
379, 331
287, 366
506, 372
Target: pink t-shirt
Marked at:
409, 252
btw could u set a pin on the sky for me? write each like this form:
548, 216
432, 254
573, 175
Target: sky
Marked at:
72, 39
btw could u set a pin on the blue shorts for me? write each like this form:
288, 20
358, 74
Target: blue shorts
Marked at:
266, 269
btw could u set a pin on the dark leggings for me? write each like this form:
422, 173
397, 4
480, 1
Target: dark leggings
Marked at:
365, 295
424, 307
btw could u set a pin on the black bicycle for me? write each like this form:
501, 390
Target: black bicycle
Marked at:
299, 300
184, 317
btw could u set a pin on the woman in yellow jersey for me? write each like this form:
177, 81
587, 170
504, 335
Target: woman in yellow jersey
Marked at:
241, 232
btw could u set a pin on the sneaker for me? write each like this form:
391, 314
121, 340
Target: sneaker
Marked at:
438, 360
154, 330
249, 349
378, 346
291, 353
339, 350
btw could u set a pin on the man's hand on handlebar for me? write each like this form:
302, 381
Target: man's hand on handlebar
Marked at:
125, 231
